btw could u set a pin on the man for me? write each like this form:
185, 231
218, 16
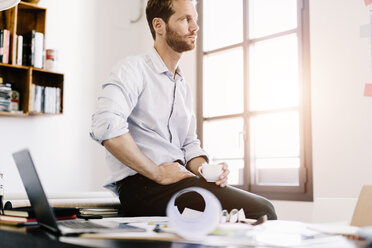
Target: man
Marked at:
146, 123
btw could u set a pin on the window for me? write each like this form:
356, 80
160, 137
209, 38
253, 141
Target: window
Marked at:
254, 93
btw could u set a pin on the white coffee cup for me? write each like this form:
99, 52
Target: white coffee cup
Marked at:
211, 172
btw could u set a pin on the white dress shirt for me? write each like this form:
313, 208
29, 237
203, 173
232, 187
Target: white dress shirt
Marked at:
144, 98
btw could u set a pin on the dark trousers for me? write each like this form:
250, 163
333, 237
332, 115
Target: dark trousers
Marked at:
140, 196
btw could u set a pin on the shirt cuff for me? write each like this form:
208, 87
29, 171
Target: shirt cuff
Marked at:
108, 135
195, 151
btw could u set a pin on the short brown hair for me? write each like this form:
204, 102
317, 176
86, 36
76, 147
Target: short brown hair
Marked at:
158, 9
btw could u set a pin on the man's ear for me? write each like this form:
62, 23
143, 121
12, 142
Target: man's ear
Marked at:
159, 26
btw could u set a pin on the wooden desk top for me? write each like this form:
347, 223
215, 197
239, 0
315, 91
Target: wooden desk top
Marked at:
35, 237
12, 237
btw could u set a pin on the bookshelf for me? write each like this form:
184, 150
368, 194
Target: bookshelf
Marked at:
21, 20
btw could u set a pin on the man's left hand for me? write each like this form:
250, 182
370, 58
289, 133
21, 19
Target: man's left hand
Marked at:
222, 181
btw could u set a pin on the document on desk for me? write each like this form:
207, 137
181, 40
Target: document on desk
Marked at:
276, 234
147, 223
270, 233
335, 229
145, 219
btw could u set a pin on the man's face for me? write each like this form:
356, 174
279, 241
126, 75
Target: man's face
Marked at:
181, 28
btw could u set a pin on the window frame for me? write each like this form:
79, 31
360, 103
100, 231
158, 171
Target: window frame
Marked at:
303, 192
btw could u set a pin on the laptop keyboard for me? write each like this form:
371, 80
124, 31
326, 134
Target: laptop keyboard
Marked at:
80, 225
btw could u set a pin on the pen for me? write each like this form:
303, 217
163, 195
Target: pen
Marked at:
32, 223
164, 223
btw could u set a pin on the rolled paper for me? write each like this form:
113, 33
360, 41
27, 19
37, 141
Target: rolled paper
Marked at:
195, 228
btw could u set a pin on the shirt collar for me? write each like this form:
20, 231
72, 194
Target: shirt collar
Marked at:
159, 64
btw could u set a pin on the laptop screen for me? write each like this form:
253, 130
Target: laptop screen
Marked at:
34, 190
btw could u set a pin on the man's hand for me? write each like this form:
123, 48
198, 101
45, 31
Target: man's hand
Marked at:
126, 151
171, 173
222, 181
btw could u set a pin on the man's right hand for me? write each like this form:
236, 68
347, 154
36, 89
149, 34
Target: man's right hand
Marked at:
132, 156
172, 173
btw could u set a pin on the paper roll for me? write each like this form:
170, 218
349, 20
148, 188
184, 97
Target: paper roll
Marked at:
195, 228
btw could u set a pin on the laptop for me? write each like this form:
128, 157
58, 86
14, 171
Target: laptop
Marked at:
44, 213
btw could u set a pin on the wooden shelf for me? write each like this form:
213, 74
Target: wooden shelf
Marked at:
25, 5
21, 20
30, 67
43, 114
47, 71
12, 113
15, 114
15, 66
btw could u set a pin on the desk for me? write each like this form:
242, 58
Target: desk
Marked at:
36, 237
39, 238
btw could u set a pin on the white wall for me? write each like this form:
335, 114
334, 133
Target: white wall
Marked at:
342, 116
60, 145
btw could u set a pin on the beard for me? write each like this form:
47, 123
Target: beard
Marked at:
179, 42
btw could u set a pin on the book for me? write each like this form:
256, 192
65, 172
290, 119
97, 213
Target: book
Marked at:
58, 101
1, 45
38, 50
19, 50
25, 221
42, 106
104, 212
6, 42
32, 98
16, 219
29, 48
74, 201
27, 212
38, 99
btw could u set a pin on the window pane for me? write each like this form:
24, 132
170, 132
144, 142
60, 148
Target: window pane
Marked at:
274, 74
275, 135
271, 16
282, 176
236, 168
223, 83
268, 163
222, 23
223, 139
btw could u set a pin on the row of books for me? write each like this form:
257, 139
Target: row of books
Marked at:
5, 97
9, 97
25, 215
30, 48
45, 99
22, 216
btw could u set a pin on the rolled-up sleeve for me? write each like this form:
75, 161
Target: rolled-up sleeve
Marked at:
116, 101
191, 145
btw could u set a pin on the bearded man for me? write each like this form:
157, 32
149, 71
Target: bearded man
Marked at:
145, 121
